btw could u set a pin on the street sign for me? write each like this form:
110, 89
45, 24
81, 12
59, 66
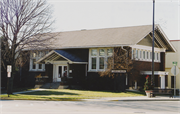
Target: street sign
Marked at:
9, 68
174, 63
118, 71
174, 70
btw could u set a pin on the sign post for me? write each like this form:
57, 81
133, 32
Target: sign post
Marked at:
174, 71
9, 70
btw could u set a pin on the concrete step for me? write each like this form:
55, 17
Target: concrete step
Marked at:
63, 87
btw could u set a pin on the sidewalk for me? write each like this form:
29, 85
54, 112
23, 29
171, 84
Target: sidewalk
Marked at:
137, 98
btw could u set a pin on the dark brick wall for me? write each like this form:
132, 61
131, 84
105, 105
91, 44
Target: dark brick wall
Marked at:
145, 66
162, 67
78, 73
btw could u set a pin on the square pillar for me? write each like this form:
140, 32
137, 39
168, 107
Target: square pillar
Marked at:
162, 82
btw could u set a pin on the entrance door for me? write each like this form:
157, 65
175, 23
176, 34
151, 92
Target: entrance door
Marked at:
62, 72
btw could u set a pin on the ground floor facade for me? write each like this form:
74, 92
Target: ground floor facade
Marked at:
72, 67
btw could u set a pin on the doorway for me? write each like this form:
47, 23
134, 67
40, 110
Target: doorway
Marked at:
60, 73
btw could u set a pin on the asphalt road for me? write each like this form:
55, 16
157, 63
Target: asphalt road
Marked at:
89, 107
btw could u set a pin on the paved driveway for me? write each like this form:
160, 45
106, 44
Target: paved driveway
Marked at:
89, 107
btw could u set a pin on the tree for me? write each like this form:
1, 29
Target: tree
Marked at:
120, 60
22, 24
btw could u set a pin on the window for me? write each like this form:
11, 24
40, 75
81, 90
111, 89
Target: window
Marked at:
150, 55
136, 53
143, 54
101, 58
98, 58
93, 63
132, 53
93, 55
34, 65
109, 52
34, 54
34, 57
147, 55
140, 52
101, 63
101, 52
40, 66
93, 52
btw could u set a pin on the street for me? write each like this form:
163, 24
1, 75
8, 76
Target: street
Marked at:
89, 107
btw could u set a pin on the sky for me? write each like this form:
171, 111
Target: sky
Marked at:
72, 15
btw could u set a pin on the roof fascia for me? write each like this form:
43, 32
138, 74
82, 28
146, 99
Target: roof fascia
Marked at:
143, 37
44, 57
166, 38
95, 46
79, 63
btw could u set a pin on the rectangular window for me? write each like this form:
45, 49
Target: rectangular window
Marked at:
101, 52
46, 52
147, 55
101, 63
136, 53
93, 52
109, 52
40, 66
34, 54
150, 55
39, 54
109, 62
34, 65
132, 53
143, 54
140, 52
93, 63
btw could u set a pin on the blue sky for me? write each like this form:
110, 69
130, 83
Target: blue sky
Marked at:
72, 15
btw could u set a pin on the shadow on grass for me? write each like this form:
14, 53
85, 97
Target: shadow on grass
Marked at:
109, 91
49, 93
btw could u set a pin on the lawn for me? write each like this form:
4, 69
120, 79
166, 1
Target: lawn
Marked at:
68, 94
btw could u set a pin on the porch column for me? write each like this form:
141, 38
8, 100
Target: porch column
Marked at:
68, 69
162, 81
135, 84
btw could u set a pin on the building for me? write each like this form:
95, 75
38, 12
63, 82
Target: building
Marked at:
80, 55
171, 57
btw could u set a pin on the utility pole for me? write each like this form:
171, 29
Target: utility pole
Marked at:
152, 77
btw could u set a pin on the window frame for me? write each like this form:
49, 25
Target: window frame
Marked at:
98, 56
145, 55
38, 55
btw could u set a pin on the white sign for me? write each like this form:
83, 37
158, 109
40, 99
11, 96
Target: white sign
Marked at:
9, 74
70, 71
9, 68
118, 71
174, 70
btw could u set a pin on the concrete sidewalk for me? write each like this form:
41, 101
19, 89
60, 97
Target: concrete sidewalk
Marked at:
137, 98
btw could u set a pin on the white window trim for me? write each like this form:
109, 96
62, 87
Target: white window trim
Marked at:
37, 65
141, 58
97, 60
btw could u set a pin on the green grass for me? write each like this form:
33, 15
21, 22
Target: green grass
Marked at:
17, 90
67, 94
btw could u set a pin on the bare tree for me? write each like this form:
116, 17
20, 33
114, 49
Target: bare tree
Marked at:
22, 24
121, 60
